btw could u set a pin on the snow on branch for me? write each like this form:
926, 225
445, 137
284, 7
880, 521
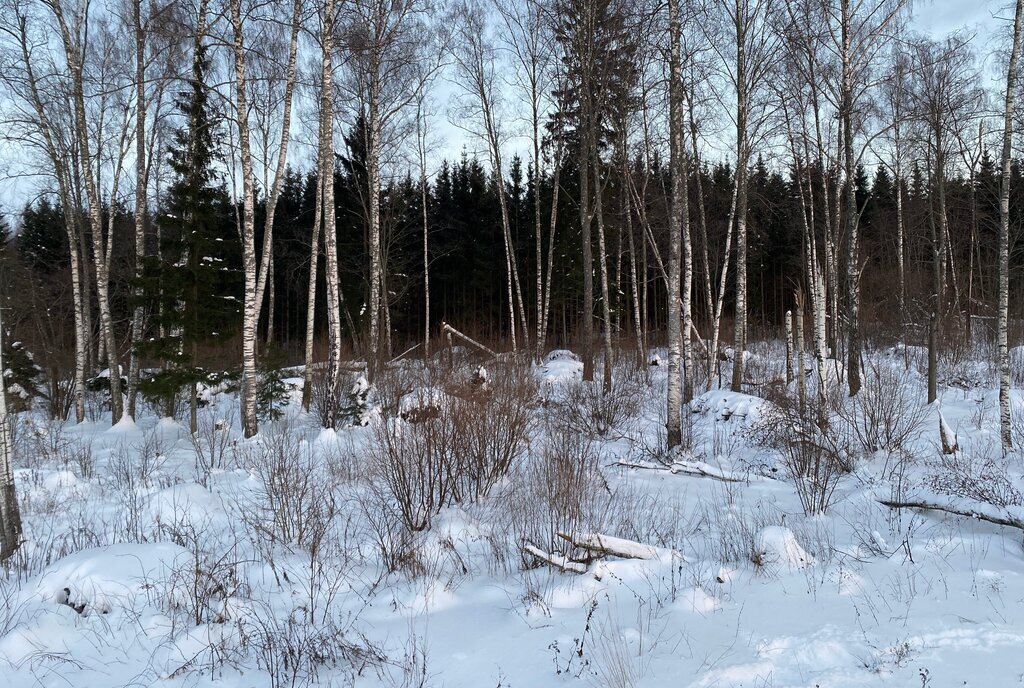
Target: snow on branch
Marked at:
559, 561
613, 546
1001, 516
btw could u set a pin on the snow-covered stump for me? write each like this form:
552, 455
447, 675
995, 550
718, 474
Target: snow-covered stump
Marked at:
950, 444
789, 347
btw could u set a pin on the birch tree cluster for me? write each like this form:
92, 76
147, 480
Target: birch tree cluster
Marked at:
201, 192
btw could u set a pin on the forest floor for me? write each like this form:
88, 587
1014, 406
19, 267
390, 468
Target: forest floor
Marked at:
153, 558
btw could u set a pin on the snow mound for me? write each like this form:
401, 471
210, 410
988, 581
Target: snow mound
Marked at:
187, 505
777, 546
725, 405
560, 367
423, 403
561, 355
126, 424
102, 579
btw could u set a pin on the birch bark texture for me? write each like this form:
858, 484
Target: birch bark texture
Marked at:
676, 163
10, 516
1002, 310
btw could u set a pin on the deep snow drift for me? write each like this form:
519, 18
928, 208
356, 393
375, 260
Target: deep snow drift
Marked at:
153, 558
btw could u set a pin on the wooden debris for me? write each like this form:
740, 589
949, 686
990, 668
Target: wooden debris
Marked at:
607, 545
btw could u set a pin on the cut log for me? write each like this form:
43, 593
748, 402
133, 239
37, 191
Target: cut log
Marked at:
560, 562
608, 545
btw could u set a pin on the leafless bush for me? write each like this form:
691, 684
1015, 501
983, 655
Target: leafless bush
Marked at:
199, 585
325, 400
293, 651
417, 465
412, 669
60, 397
815, 457
560, 489
584, 407
734, 529
437, 447
293, 500
212, 443
616, 664
491, 428
983, 478
40, 443
887, 413
395, 543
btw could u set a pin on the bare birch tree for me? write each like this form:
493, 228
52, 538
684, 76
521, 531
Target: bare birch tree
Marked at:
1002, 309
10, 516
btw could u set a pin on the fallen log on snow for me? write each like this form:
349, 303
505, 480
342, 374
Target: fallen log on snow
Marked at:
607, 545
990, 513
699, 469
560, 562
706, 470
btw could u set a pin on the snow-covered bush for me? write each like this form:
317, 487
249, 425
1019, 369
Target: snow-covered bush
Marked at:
20, 377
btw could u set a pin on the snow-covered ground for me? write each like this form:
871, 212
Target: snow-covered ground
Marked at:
152, 558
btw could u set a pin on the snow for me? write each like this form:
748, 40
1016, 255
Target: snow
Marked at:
102, 579
726, 583
777, 546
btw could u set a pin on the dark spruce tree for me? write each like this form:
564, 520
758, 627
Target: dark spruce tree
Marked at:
193, 289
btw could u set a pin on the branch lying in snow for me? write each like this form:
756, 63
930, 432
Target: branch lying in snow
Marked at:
607, 545
560, 562
706, 470
696, 468
1000, 516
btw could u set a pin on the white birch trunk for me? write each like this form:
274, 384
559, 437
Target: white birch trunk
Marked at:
73, 54
675, 391
251, 307
314, 259
1002, 311
141, 183
329, 211
10, 517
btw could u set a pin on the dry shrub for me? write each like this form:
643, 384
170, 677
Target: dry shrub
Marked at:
413, 463
585, 408
887, 413
981, 478
294, 500
295, 652
492, 428
816, 457
213, 442
446, 447
560, 489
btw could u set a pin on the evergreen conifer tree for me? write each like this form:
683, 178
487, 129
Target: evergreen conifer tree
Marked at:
193, 290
